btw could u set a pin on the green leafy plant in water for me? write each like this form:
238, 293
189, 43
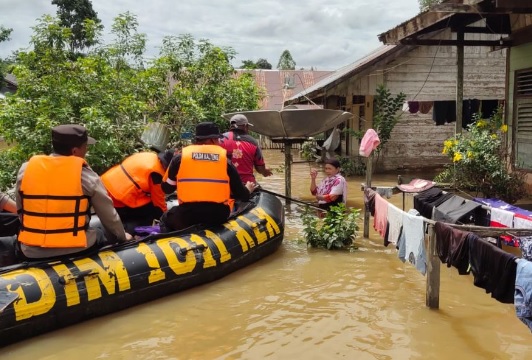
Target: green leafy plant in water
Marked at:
479, 161
352, 166
336, 230
308, 150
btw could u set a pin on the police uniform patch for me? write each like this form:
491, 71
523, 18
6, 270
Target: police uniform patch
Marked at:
205, 156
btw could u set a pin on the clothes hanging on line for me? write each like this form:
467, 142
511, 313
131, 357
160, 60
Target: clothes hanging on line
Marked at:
452, 247
444, 112
411, 243
425, 201
523, 292
456, 209
493, 269
425, 106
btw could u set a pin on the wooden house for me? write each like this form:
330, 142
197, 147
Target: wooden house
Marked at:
427, 75
511, 22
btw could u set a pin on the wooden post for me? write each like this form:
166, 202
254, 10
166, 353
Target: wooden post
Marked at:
459, 80
432, 298
288, 170
369, 170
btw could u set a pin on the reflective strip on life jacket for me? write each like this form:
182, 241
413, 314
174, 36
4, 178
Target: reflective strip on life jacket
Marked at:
202, 175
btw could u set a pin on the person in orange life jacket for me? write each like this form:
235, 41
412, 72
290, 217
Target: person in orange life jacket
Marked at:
333, 189
54, 194
243, 150
205, 180
135, 187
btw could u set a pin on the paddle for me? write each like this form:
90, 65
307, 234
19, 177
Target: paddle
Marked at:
291, 199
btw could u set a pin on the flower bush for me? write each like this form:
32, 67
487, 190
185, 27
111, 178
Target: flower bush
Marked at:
336, 231
479, 161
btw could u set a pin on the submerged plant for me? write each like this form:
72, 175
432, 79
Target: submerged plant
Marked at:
337, 230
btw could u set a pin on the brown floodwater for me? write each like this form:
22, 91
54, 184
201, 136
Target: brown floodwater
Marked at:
303, 303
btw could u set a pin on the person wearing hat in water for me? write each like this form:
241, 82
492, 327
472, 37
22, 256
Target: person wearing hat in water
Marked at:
54, 194
205, 180
243, 150
135, 187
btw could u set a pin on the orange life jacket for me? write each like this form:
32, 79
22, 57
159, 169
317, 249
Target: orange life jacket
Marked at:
54, 209
129, 182
202, 175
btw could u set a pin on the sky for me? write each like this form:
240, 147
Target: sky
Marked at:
325, 35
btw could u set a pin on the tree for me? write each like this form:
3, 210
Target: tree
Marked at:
248, 64
386, 114
113, 93
286, 62
5, 33
4, 36
73, 14
424, 5
263, 64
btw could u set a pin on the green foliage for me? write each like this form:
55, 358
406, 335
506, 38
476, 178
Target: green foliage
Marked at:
479, 161
74, 14
286, 62
308, 150
248, 64
351, 167
336, 231
5, 33
426, 4
260, 64
386, 113
4, 36
263, 64
114, 93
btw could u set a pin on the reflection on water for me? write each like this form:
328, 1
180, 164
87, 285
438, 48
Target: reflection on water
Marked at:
303, 303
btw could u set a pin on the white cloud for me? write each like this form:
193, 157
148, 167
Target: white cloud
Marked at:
326, 36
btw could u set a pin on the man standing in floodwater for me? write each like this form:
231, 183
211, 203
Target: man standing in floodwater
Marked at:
243, 150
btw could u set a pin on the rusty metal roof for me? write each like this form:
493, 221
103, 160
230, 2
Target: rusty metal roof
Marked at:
347, 71
282, 84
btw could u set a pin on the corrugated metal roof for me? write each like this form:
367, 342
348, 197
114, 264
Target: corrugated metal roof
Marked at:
282, 84
347, 71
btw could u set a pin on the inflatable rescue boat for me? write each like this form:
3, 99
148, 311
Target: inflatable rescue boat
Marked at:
40, 296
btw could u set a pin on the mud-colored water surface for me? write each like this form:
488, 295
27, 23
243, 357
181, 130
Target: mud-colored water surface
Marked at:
303, 303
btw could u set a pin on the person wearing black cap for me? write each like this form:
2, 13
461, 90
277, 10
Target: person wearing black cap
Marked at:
243, 150
54, 194
135, 187
205, 180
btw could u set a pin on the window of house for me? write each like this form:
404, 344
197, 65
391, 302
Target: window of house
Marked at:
523, 118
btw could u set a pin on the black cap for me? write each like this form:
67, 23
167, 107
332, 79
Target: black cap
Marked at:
71, 135
165, 157
207, 130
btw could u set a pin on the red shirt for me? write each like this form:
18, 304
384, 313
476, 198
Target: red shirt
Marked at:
244, 152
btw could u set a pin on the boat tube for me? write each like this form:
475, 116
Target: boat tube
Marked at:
40, 296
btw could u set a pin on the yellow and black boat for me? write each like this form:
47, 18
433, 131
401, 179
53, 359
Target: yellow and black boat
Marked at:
40, 296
